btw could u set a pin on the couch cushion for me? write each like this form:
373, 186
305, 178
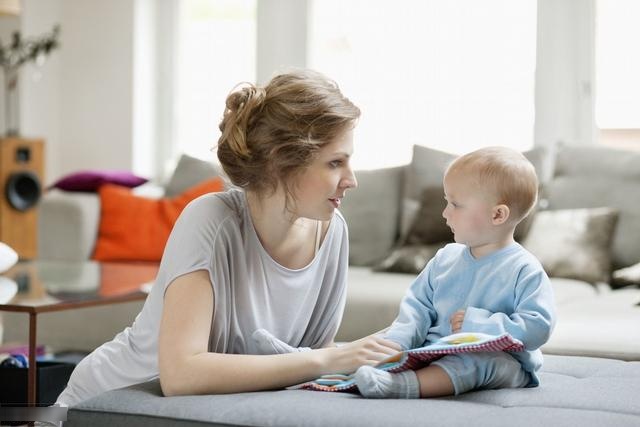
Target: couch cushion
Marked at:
626, 276
373, 299
574, 243
134, 228
605, 325
409, 258
91, 180
592, 176
429, 226
573, 391
190, 171
372, 213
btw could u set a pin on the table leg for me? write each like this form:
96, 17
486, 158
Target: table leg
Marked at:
31, 372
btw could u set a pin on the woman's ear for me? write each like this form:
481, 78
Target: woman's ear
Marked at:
500, 214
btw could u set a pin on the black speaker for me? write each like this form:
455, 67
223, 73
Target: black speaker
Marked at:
21, 176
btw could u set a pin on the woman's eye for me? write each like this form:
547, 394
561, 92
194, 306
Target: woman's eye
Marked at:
335, 163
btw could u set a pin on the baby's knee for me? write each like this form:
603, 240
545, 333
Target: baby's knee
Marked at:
483, 371
502, 371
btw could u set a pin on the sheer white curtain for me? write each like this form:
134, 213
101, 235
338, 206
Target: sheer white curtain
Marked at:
450, 74
216, 49
617, 64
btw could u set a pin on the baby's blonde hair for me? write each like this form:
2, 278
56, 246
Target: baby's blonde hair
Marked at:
503, 172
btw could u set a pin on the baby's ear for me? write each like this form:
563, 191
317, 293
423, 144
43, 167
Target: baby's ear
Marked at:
500, 214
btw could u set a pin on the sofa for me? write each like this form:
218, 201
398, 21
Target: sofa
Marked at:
585, 230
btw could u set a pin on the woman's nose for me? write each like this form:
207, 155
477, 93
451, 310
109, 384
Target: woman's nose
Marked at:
349, 181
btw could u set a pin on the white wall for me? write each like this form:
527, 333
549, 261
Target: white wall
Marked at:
8, 25
83, 104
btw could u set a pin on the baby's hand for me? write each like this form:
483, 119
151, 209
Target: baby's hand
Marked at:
456, 321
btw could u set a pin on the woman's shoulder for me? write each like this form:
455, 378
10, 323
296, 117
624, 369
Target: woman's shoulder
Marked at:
215, 208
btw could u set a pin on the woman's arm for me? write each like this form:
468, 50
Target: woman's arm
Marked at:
186, 367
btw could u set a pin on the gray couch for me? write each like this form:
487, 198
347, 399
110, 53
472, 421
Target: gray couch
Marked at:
593, 318
575, 391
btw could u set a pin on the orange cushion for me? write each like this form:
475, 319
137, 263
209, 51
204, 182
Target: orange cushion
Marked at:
134, 228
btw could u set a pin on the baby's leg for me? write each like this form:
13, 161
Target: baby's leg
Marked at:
434, 382
473, 371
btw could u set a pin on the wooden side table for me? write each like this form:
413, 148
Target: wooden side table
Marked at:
47, 286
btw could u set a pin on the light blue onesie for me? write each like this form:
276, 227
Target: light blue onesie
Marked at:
505, 291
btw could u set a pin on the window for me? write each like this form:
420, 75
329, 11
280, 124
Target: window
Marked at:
216, 51
617, 102
453, 75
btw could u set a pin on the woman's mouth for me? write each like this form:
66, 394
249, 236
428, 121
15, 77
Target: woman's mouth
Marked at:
336, 202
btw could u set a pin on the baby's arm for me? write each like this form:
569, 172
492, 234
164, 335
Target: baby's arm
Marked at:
416, 313
532, 320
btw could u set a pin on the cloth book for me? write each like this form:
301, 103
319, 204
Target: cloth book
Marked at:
414, 359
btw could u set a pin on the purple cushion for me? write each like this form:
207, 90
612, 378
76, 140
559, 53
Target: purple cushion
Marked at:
90, 181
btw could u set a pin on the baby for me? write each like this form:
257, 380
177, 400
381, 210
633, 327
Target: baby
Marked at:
485, 282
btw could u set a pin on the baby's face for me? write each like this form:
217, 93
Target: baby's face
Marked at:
469, 210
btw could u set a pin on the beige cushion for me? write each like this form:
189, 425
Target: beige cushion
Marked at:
573, 243
592, 176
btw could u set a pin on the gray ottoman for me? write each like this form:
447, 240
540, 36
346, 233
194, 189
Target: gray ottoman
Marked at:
575, 391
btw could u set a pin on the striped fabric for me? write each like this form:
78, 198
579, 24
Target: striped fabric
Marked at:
420, 357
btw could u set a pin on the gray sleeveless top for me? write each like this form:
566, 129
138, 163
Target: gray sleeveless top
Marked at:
215, 233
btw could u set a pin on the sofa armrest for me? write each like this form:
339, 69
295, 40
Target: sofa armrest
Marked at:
68, 225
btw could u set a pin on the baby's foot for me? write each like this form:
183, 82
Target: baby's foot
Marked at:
378, 384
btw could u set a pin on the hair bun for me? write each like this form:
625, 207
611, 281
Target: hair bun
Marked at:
242, 102
245, 95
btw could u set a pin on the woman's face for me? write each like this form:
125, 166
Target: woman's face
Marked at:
323, 184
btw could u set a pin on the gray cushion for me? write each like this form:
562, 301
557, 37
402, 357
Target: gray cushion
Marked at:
372, 212
409, 258
189, 172
627, 276
429, 226
573, 243
587, 177
574, 391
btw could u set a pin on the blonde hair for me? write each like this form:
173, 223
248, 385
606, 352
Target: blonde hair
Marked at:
272, 133
504, 172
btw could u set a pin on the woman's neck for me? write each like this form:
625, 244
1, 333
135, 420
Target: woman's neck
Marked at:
288, 239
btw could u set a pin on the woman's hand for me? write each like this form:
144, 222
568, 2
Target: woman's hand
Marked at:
348, 357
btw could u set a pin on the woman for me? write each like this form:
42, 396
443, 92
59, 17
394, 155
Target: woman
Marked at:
269, 256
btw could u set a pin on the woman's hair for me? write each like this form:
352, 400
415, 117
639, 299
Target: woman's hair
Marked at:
270, 134
504, 172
